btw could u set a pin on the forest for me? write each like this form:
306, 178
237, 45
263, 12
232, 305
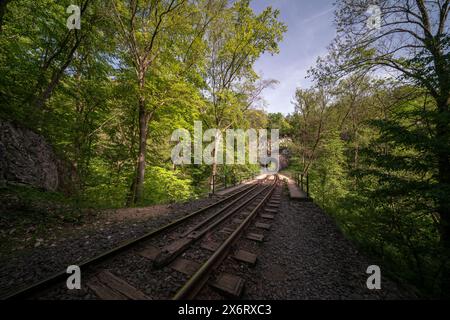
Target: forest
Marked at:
372, 131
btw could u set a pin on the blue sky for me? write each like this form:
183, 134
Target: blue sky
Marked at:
310, 30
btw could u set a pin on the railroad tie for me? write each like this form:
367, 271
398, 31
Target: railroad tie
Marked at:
227, 230
245, 256
255, 237
264, 226
109, 287
169, 252
268, 216
184, 266
150, 252
229, 284
210, 245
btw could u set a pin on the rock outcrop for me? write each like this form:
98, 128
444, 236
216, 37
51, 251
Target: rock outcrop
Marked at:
27, 158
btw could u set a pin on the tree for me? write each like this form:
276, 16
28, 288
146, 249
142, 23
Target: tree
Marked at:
354, 105
3, 6
394, 169
278, 121
58, 58
236, 39
311, 113
149, 32
42, 49
414, 42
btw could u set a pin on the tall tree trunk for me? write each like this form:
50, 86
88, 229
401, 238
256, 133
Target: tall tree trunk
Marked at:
213, 181
217, 145
129, 201
3, 5
143, 132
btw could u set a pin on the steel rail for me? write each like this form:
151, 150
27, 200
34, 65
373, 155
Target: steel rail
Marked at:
220, 211
193, 286
28, 290
195, 236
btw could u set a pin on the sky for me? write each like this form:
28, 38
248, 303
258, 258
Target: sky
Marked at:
310, 31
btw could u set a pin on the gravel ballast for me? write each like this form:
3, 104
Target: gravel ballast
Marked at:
303, 256
84, 242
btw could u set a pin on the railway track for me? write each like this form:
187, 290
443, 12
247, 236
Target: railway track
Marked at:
229, 284
192, 246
